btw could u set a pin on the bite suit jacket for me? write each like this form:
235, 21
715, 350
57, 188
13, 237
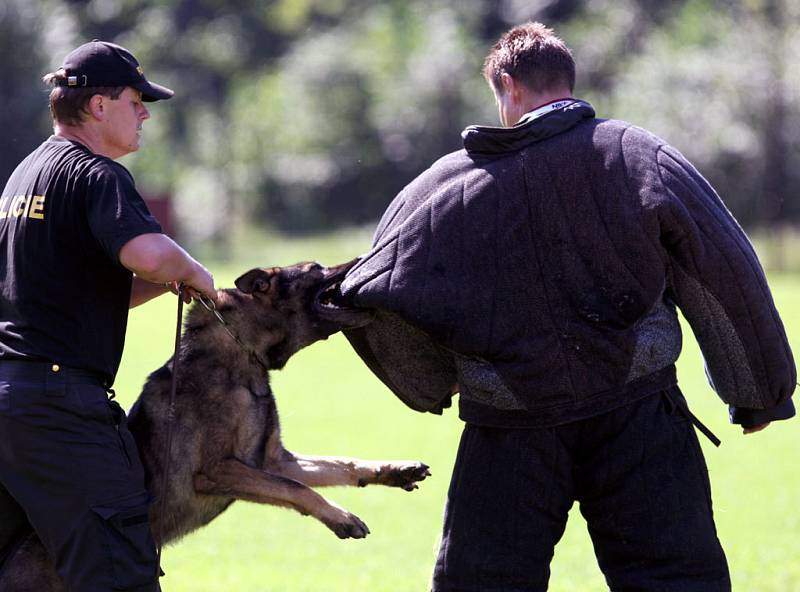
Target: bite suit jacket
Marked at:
537, 272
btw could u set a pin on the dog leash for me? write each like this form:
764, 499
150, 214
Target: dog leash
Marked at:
168, 444
212, 308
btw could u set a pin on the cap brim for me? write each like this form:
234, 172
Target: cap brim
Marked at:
153, 92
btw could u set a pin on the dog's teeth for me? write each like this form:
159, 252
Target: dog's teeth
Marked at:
327, 296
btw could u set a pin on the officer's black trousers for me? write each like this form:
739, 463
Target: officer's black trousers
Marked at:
70, 468
642, 484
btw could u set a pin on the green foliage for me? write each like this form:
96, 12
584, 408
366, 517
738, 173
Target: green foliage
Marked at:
714, 81
312, 114
325, 135
24, 105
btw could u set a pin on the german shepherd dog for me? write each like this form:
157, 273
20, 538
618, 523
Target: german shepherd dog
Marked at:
226, 439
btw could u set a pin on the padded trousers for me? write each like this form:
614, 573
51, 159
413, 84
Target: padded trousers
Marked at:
642, 484
70, 470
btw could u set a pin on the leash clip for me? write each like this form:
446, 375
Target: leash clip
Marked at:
210, 307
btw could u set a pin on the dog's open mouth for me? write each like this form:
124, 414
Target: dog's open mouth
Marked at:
332, 305
331, 297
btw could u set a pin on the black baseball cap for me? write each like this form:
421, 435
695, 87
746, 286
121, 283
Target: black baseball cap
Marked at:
100, 63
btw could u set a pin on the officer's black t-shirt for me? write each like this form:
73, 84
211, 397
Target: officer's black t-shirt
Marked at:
64, 216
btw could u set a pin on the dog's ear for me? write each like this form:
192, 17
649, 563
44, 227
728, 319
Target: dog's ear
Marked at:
255, 280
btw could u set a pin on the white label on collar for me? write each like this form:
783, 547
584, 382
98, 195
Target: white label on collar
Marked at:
543, 110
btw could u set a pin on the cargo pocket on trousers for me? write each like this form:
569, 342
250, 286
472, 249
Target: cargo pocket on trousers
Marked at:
130, 543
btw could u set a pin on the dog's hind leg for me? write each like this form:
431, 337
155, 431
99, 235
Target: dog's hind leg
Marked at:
320, 471
235, 479
14, 525
24, 563
29, 569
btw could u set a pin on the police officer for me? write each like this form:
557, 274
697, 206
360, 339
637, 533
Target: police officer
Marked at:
79, 248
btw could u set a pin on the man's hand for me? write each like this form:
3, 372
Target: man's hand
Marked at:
174, 287
201, 283
755, 429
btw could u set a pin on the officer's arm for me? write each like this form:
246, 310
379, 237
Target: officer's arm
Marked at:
142, 291
157, 259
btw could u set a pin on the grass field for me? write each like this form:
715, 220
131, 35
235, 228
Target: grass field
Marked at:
330, 404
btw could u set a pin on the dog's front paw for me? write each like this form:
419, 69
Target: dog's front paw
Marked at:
348, 526
405, 475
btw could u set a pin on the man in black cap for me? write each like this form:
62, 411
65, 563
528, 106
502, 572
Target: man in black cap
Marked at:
80, 248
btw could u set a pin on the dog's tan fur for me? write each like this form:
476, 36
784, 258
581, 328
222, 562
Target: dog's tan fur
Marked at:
227, 443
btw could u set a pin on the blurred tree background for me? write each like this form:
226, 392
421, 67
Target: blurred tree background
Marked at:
308, 115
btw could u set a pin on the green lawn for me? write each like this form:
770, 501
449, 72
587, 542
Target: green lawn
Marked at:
331, 404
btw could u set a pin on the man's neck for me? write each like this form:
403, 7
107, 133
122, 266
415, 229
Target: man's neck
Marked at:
80, 134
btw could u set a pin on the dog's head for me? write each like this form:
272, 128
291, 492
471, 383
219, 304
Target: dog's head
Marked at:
299, 304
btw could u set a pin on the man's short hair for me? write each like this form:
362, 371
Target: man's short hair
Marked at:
68, 105
533, 55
